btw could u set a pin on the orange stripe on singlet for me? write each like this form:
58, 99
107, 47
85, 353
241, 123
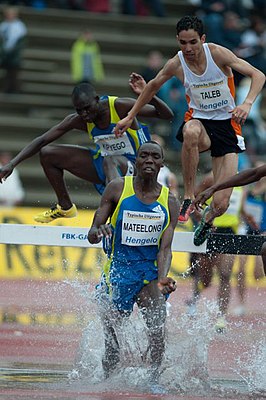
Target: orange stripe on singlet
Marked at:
189, 113
231, 85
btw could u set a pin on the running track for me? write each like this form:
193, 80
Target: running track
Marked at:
41, 328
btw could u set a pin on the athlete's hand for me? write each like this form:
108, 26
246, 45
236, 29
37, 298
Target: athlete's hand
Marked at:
166, 285
240, 113
122, 126
95, 235
137, 83
201, 198
5, 171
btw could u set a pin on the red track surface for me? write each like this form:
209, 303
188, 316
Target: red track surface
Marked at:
38, 347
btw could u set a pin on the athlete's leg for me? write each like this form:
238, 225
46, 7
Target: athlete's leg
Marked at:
223, 168
263, 255
224, 264
115, 166
241, 279
258, 268
206, 269
112, 322
204, 273
76, 160
202, 277
111, 353
195, 141
152, 306
195, 265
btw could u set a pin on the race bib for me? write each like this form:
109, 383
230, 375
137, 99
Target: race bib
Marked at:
111, 145
142, 228
211, 95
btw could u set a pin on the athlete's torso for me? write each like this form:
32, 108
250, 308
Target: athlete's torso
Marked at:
138, 227
210, 95
108, 144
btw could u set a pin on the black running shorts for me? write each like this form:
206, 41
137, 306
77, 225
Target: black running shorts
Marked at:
223, 137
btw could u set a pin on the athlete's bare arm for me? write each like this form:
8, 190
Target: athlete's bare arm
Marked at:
242, 178
155, 109
72, 121
108, 203
151, 88
164, 257
159, 110
226, 60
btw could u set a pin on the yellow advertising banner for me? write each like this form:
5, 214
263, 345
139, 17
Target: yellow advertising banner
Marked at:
57, 263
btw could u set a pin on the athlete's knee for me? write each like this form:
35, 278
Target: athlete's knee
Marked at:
219, 206
191, 132
45, 153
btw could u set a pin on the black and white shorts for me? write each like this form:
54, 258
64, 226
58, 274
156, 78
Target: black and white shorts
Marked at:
224, 138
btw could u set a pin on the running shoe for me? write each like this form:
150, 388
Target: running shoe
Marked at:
54, 213
203, 230
185, 211
220, 325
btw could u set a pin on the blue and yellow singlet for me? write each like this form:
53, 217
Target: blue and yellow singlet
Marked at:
137, 231
107, 144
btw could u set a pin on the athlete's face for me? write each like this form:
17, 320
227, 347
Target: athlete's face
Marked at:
190, 44
87, 107
149, 160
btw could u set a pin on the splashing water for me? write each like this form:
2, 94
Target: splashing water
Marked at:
185, 363
187, 345
253, 367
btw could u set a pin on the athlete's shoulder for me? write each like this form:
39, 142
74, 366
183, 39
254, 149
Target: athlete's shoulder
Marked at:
223, 57
113, 191
123, 105
173, 67
121, 101
219, 51
74, 121
173, 63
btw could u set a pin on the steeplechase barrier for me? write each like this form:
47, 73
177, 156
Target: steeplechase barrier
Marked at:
66, 236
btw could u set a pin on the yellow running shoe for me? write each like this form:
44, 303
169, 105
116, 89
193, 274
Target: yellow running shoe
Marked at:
54, 213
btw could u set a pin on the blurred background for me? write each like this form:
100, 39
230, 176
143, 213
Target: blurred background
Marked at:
40, 63
122, 36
